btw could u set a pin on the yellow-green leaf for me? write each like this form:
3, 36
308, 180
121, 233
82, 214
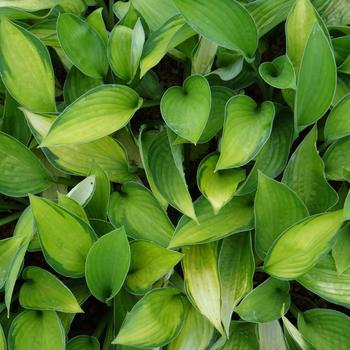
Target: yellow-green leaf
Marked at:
83, 342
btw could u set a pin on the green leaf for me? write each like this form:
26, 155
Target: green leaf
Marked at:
325, 329
17, 46
279, 73
78, 159
247, 127
154, 321
337, 124
125, 49
316, 83
207, 18
37, 330
304, 174
96, 21
196, 333
149, 262
325, 281
340, 250
72, 206
236, 271
298, 248
20, 171
65, 238
107, 265
236, 216
139, 212
264, 303
243, 336
3, 345
167, 173
31, 5
277, 208
271, 336
97, 113
72, 30
179, 104
200, 264
43, 291
83, 342
218, 187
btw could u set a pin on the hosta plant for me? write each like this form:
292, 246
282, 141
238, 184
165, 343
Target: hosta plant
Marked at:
174, 175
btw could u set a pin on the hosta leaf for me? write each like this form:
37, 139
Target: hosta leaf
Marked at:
83, 342
243, 336
31, 5
264, 303
196, 333
324, 280
273, 157
279, 73
72, 30
149, 262
337, 124
218, 187
203, 56
101, 227
219, 97
125, 49
300, 22
98, 113
271, 336
304, 174
40, 330
20, 171
168, 175
325, 329
154, 321
65, 239
107, 265
317, 80
208, 17
139, 212
235, 216
236, 271
72, 206
3, 345
341, 249
43, 291
200, 264
179, 104
277, 208
96, 21
247, 127
78, 159
98, 204
297, 250
17, 45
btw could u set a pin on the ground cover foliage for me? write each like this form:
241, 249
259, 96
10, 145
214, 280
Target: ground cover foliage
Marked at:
174, 174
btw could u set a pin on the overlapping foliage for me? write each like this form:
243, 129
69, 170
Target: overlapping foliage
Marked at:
174, 174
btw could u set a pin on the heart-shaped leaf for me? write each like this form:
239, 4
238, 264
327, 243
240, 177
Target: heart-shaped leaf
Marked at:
200, 264
298, 248
243, 335
304, 174
43, 291
65, 238
186, 110
207, 18
247, 127
279, 73
25, 61
83, 342
337, 124
236, 271
38, 330
71, 30
277, 208
264, 303
20, 171
340, 250
218, 187
236, 216
325, 329
136, 201
154, 321
107, 265
98, 113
